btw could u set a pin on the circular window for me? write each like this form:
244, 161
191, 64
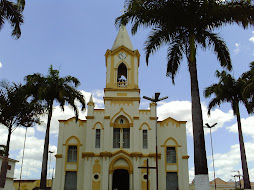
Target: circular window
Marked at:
96, 177
144, 177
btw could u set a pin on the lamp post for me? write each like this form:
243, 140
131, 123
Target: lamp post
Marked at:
156, 99
239, 176
52, 178
21, 168
50, 152
210, 127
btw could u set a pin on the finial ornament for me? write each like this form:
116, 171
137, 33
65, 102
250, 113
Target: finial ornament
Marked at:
91, 98
91, 103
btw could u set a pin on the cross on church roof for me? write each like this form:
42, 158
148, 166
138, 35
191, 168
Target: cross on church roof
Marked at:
123, 11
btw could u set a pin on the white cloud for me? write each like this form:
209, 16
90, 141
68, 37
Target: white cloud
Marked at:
191, 174
33, 151
58, 114
227, 162
247, 127
181, 111
35, 140
97, 97
1, 65
237, 48
252, 38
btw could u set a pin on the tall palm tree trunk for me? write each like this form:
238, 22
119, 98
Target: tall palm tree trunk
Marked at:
8, 142
200, 161
246, 178
4, 167
43, 182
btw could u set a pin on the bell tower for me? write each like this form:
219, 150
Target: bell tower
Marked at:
122, 63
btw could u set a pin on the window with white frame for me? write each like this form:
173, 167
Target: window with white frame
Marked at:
126, 137
72, 154
116, 138
121, 136
97, 138
70, 180
171, 155
145, 139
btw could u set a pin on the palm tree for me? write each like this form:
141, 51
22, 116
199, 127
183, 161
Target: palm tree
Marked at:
183, 25
12, 12
230, 90
47, 90
248, 91
15, 111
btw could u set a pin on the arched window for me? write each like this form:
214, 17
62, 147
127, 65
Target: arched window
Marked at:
145, 139
121, 133
72, 154
122, 76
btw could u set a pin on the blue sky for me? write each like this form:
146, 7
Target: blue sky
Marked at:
74, 36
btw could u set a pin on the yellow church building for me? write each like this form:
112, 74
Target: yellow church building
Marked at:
104, 151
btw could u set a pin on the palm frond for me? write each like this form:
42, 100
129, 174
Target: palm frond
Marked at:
155, 40
175, 56
240, 12
11, 12
209, 39
227, 90
21, 4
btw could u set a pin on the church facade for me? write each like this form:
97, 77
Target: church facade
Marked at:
105, 151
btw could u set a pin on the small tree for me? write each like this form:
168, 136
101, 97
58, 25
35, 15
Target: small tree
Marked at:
47, 90
15, 111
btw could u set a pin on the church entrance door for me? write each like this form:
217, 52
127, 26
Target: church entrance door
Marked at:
120, 180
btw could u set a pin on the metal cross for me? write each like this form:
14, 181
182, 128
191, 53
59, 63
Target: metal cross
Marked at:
147, 171
123, 11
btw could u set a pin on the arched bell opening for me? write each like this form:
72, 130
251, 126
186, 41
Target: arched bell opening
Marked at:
122, 76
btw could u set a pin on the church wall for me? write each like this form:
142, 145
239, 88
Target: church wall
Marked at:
173, 134
70, 133
95, 166
141, 120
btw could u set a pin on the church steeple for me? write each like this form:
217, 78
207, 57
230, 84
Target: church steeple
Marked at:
122, 63
122, 39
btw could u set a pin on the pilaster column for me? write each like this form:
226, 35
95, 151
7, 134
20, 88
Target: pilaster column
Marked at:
136, 174
87, 173
105, 173
152, 177
131, 184
110, 181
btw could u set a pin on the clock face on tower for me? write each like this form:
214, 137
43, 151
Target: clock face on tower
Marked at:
122, 55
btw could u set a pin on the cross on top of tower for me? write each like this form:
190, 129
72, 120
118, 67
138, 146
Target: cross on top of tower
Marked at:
123, 11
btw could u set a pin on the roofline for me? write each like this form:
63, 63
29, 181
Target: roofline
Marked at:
10, 159
63, 120
182, 122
